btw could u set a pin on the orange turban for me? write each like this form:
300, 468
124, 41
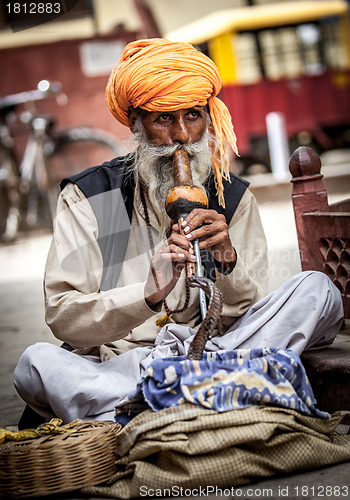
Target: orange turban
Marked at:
159, 75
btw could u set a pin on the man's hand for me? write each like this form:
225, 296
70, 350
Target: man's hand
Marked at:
210, 228
166, 266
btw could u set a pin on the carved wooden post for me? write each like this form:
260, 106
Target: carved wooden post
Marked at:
308, 195
323, 229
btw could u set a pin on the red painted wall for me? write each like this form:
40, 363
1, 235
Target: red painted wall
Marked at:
24, 67
310, 103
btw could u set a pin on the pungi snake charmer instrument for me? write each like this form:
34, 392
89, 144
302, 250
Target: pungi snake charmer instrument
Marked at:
181, 200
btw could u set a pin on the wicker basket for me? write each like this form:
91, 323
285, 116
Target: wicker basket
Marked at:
59, 463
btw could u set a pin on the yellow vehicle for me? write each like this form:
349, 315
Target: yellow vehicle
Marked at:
287, 57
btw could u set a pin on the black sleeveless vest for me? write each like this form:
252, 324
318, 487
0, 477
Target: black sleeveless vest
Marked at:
111, 194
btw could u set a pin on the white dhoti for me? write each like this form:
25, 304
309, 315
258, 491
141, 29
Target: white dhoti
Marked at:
305, 313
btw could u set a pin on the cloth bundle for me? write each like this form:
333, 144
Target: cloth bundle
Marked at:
227, 380
192, 447
217, 427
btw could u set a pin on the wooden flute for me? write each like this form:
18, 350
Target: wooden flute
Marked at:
183, 197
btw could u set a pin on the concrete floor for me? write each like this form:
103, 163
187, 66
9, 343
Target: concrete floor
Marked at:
22, 323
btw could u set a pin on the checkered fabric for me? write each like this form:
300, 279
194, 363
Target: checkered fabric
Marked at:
192, 447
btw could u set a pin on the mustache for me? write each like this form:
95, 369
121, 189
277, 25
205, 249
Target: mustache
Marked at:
168, 151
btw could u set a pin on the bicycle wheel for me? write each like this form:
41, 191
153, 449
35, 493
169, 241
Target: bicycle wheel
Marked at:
10, 198
74, 150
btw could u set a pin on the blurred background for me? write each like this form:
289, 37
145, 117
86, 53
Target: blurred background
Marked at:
285, 68
284, 64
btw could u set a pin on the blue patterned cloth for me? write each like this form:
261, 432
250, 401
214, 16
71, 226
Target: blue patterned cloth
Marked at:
229, 380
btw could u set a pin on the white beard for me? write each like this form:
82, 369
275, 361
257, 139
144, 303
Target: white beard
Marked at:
153, 167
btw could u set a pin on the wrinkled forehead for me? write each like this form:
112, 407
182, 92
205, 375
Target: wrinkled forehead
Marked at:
139, 111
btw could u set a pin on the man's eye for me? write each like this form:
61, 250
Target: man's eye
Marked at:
165, 117
194, 114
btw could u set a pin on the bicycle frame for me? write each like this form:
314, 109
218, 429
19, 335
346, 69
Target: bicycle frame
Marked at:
19, 179
32, 168
9, 178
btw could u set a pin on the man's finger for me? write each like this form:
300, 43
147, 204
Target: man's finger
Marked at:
200, 216
205, 231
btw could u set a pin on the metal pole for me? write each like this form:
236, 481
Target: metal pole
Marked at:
199, 273
278, 145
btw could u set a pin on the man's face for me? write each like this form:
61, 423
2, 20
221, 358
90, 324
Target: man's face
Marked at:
157, 136
175, 127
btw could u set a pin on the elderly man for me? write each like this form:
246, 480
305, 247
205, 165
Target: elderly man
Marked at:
115, 271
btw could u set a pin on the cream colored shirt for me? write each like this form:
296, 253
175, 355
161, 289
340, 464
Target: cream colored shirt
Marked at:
113, 321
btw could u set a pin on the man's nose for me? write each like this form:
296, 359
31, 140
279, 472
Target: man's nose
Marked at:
180, 132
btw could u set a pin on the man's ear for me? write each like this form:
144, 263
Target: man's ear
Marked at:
133, 115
